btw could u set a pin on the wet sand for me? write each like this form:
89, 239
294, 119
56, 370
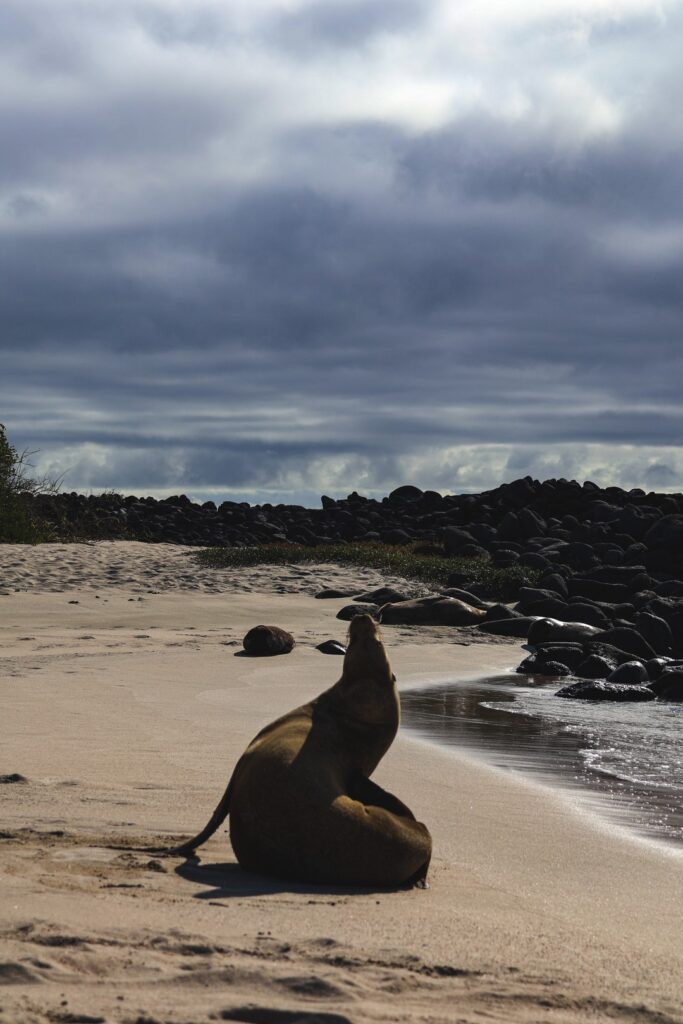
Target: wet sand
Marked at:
484, 718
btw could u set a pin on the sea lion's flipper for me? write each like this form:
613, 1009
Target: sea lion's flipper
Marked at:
215, 822
368, 792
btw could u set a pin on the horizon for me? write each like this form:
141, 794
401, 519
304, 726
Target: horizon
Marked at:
299, 247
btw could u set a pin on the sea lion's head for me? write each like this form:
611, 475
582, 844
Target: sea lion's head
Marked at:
366, 665
363, 628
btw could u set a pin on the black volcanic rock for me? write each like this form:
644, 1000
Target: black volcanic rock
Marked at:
350, 611
628, 640
265, 641
669, 686
331, 647
596, 689
630, 673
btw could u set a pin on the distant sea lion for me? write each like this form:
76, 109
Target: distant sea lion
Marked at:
300, 799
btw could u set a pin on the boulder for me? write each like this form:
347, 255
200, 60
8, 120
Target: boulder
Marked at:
597, 590
580, 612
547, 608
554, 668
628, 640
454, 539
264, 641
331, 647
330, 593
669, 686
596, 689
656, 666
595, 667
655, 630
608, 651
554, 582
666, 533
631, 673
350, 611
464, 595
405, 494
569, 654
430, 611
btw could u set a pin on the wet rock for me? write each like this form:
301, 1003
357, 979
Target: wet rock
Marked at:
330, 593
596, 689
656, 666
595, 667
331, 647
631, 673
555, 668
669, 686
264, 641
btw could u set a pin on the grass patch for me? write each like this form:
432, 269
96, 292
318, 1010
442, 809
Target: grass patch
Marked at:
406, 561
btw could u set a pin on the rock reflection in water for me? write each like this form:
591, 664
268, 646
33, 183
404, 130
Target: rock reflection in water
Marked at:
454, 715
457, 715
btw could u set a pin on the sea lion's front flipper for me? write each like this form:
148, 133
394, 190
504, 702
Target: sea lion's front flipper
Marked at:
368, 792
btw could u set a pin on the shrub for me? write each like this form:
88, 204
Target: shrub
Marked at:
18, 523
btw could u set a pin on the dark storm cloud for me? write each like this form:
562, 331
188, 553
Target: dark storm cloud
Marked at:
202, 291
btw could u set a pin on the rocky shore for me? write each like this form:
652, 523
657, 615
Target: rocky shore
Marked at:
602, 583
538, 524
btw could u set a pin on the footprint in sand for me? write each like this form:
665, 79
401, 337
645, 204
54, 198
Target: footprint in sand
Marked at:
13, 973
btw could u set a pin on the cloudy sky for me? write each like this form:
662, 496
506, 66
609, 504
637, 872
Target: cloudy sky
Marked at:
273, 248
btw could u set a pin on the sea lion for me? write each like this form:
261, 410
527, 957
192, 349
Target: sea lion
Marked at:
300, 799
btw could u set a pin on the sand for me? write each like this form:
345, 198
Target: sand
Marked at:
124, 705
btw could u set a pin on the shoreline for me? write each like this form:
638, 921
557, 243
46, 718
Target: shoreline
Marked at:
126, 717
539, 748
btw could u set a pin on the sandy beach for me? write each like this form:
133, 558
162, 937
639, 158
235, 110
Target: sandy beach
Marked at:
125, 705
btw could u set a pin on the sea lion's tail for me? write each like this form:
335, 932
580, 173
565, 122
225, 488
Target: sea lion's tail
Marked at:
215, 822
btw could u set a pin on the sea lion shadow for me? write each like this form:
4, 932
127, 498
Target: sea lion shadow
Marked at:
229, 880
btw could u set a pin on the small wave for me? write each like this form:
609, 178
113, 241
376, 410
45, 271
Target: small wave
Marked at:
619, 765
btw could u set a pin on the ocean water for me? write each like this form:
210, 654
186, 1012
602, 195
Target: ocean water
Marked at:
626, 760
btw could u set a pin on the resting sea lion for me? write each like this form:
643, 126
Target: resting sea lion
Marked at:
300, 799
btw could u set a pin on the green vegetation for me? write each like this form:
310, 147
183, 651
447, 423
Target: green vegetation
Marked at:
407, 561
18, 524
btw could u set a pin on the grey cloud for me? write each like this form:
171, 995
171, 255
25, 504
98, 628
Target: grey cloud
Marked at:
480, 313
342, 24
